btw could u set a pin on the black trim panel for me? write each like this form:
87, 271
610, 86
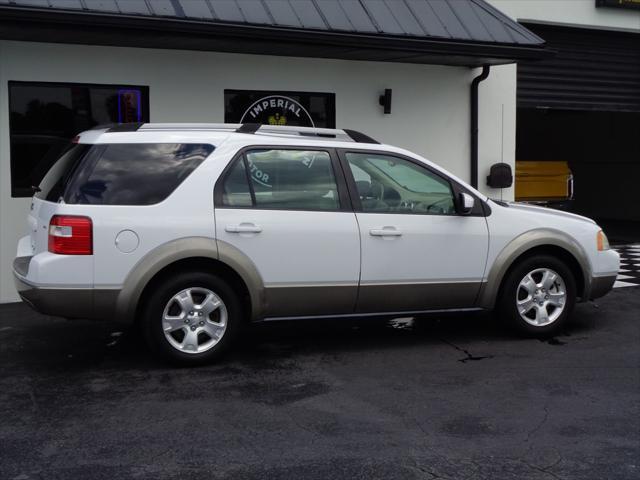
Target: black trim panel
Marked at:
367, 299
125, 127
360, 137
21, 265
249, 128
86, 303
310, 300
417, 296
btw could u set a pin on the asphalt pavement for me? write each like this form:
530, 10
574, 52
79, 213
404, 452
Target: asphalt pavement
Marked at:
453, 397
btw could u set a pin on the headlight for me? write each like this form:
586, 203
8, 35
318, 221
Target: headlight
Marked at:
603, 242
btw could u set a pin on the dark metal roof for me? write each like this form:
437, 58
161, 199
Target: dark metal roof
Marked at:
414, 31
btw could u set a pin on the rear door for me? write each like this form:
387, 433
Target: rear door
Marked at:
287, 211
418, 253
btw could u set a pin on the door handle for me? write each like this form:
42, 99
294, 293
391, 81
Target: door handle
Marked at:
243, 228
385, 232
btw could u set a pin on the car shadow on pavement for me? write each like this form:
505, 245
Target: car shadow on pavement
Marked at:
54, 344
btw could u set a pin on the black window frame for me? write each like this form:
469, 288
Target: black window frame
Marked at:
480, 208
26, 192
344, 201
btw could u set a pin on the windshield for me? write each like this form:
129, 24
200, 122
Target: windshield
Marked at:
409, 176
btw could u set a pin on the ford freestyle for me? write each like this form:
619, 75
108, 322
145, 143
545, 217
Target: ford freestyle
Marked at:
193, 230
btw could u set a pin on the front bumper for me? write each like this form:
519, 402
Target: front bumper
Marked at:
63, 302
604, 271
600, 286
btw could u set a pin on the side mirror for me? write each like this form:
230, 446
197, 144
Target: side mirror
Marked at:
465, 203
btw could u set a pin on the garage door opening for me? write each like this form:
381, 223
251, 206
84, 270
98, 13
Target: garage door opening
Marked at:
601, 149
578, 122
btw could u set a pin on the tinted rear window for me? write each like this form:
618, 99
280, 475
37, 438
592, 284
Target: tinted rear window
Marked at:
122, 174
55, 180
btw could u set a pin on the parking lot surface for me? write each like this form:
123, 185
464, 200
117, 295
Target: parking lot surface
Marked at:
451, 397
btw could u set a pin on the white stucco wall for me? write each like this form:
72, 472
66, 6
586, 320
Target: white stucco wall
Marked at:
570, 12
430, 112
497, 126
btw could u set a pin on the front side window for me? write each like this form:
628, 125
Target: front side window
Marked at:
121, 173
388, 184
283, 180
44, 117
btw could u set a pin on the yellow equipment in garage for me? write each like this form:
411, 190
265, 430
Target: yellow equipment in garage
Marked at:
543, 181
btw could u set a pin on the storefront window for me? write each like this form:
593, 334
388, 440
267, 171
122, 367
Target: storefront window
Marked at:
45, 116
299, 109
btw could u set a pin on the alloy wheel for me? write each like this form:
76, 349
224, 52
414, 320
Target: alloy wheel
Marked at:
194, 320
541, 297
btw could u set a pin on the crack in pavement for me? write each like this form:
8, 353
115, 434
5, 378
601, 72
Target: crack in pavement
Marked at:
540, 424
543, 469
34, 403
428, 472
469, 356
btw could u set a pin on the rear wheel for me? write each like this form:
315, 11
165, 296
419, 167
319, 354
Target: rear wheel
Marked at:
538, 296
192, 318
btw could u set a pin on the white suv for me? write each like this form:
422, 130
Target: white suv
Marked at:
193, 230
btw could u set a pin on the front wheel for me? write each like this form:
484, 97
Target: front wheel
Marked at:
191, 318
538, 296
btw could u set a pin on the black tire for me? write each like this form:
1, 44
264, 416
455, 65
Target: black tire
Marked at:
511, 293
154, 309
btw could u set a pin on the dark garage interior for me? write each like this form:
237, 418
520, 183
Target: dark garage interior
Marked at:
603, 151
583, 107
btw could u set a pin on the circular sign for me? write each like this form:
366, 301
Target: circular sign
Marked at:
277, 110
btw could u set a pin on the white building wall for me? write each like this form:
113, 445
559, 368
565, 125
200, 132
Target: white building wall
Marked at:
430, 111
570, 12
497, 126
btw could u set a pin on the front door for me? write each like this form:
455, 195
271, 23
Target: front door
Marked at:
417, 252
286, 210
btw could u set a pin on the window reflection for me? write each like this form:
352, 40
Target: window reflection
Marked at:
134, 173
45, 116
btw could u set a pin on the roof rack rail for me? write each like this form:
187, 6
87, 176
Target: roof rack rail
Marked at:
254, 129
343, 135
201, 127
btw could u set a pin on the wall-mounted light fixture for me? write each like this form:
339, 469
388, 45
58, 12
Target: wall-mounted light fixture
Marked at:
385, 100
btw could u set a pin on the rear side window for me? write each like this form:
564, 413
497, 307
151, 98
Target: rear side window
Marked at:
282, 180
126, 174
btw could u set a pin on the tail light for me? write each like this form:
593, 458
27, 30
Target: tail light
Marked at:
71, 235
